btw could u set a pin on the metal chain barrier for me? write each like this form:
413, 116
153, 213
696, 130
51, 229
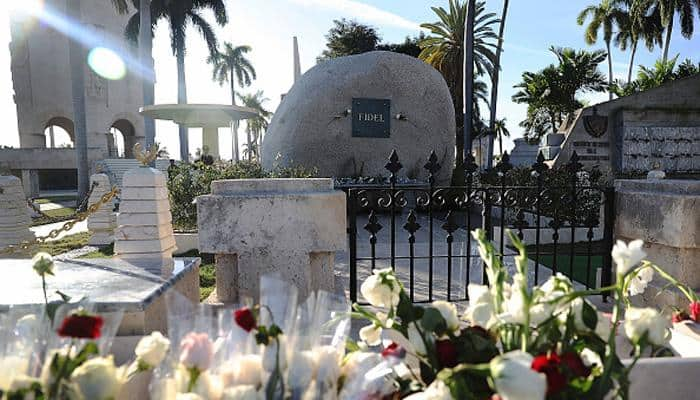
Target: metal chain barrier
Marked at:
51, 220
79, 217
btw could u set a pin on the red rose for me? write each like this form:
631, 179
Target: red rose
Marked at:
81, 326
695, 311
680, 316
575, 365
549, 364
446, 353
245, 319
394, 350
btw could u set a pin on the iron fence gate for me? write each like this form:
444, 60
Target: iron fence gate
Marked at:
422, 230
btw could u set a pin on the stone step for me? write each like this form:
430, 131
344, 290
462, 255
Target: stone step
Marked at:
143, 246
140, 193
144, 219
145, 232
144, 206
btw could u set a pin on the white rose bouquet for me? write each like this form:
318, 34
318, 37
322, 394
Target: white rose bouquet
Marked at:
515, 341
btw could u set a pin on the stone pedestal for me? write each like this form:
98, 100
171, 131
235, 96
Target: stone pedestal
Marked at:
258, 226
101, 224
14, 216
210, 140
144, 234
666, 215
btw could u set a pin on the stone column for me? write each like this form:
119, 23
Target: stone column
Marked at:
144, 234
101, 224
210, 139
258, 226
666, 215
30, 182
14, 216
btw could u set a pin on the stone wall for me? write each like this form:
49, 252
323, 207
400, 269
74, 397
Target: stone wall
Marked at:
666, 215
660, 125
313, 124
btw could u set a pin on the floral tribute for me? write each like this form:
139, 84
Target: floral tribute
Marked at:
514, 341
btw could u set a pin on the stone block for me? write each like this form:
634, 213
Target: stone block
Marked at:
144, 246
127, 232
139, 193
292, 227
144, 206
666, 215
143, 177
141, 219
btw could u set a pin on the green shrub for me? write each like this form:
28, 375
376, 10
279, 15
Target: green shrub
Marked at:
187, 181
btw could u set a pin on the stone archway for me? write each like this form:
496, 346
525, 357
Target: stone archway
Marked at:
59, 132
121, 138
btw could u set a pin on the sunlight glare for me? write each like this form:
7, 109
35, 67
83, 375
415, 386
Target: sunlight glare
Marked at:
32, 7
106, 63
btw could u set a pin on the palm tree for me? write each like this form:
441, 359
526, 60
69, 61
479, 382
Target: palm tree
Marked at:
551, 92
229, 66
444, 50
501, 130
255, 126
76, 54
145, 57
179, 14
667, 9
634, 27
494, 85
605, 15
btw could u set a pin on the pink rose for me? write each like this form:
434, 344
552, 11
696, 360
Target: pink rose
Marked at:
196, 351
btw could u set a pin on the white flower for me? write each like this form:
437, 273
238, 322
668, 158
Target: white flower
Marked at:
22, 382
436, 391
43, 263
385, 320
481, 307
381, 289
303, 369
626, 256
639, 321
243, 370
241, 392
327, 360
448, 312
638, 283
371, 334
603, 327
10, 367
590, 358
515, 380
151, 350
358, 363
269, 354
188, 396
514, 308
98, 379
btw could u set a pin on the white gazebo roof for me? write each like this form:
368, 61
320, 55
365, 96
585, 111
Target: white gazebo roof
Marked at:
199, 115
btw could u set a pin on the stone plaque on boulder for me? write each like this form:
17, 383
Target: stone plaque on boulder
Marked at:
371, 118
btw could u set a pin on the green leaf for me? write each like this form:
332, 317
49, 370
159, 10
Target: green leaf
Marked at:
405, 310
351, 346
274, 331
433, 321
589, 315
64, 297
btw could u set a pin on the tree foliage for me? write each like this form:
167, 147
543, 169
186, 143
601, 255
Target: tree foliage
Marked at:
551, 93
349, 37
661, 73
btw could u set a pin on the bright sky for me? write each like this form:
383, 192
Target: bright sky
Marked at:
268, 26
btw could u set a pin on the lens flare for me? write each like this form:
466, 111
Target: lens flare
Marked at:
106, 63
26, 6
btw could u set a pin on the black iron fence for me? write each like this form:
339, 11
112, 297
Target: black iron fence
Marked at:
564, 215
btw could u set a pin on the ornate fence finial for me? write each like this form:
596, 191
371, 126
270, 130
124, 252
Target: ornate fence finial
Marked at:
393, 165
573, 165
432, 166
504, 165
411, 224
540, 165
146, 157
470, 164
